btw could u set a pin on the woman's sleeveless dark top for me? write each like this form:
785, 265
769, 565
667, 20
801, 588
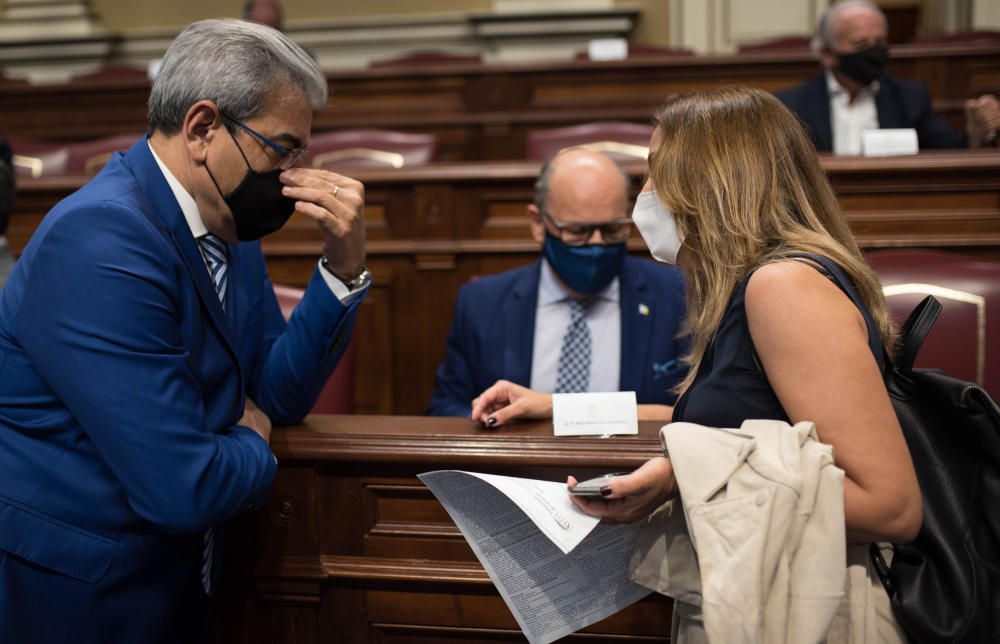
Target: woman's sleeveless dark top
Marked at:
731, 386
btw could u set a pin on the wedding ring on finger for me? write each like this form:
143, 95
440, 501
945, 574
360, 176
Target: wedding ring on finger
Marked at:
336, 189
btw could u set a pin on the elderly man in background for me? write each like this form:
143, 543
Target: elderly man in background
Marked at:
144, 354
585, 317
855, 94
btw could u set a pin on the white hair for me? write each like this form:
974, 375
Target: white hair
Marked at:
823, 38
234, 63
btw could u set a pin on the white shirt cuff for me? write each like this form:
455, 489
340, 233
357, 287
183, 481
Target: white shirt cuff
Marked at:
339, 289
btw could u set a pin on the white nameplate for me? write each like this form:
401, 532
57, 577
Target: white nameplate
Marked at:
594, 414
889, 143
607, 49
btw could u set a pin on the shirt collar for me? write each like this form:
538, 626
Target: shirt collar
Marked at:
184, 199
551, 290
834, 87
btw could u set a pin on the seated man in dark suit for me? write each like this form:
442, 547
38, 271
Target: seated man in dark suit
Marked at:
585, 317
855, 94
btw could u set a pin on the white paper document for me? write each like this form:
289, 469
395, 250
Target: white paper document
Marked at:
558, 569
595, 414
889, 142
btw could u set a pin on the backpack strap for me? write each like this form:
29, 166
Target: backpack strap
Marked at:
914, 331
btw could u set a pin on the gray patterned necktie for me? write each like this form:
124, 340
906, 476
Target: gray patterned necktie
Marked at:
216, 255
573, 374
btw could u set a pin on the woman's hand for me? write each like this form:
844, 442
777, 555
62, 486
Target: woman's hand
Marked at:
505, 401
633, 496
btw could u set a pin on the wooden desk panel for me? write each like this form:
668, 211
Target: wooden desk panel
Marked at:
483, 112
431, 229
351, 547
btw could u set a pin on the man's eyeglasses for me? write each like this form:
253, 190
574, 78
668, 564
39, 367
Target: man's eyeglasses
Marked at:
615, 231
289, 156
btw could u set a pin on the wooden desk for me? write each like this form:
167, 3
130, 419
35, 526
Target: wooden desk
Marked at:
352, 548
483, 112
433, 228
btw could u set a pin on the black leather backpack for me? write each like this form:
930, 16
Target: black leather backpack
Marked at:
945, 586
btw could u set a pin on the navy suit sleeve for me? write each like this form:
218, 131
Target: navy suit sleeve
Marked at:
98, 321
295, 360
932, 130
455, 384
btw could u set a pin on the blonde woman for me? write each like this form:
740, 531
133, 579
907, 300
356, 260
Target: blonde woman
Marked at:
787, 321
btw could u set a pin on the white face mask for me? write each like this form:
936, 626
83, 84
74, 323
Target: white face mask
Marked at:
658, 227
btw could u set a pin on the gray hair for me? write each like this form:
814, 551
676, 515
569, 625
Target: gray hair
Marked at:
548, 169
823, 38
234, 63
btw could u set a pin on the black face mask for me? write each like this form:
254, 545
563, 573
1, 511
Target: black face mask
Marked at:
257, 204
864, 65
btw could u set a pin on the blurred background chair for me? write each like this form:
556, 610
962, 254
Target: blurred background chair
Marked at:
33, 158
965, 340
89, 157
337, 396
427, 58
619, 140
783, 44
370, 149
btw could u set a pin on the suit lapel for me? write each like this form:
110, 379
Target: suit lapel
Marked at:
169, 219
637, 316
520, 326
817, 114
888, 110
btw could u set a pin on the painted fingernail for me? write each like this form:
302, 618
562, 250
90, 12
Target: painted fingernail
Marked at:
491, 421
605, 490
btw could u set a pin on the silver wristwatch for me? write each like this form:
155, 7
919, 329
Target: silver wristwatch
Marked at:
361, 279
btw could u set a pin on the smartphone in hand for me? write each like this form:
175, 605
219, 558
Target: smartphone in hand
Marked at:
592, 487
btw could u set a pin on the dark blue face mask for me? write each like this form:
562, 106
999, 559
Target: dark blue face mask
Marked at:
585, 269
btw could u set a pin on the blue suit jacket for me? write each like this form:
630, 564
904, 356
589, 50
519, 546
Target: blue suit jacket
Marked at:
900, 104
493, 332
121, 382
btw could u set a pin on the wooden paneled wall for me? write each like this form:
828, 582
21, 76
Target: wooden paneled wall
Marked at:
431, 229
483, 112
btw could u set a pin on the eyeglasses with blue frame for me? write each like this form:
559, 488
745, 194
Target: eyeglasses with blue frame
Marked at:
289, 156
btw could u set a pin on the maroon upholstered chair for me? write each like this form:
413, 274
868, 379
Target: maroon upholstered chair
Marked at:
89, 157
427, 58
965, 340
337, 396
619, 140
370, 149
33, 158
639, 50
961, 37
112, 73
785, 43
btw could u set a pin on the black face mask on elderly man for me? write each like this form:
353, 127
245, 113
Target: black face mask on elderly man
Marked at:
864, 65
257, 204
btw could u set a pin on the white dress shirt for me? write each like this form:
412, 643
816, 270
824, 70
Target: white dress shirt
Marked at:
552, 317
197, 226
850, 120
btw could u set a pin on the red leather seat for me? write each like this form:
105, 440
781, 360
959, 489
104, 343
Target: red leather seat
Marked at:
90, 156
619, 140
427, 58
965, 340
785, 43
337, 396
33, 158
370, 149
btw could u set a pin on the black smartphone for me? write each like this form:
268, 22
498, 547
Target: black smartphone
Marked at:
592, 487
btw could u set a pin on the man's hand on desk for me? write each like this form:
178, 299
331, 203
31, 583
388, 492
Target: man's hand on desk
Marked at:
982, 117
256, 420
337, 204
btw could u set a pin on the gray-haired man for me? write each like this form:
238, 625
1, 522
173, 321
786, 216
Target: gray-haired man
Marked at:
144, 354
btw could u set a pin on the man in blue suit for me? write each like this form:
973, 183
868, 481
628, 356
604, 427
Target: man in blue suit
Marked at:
524, 325
143, 355
855, 94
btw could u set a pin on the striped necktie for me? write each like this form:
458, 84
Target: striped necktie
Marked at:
573, 372
216, 255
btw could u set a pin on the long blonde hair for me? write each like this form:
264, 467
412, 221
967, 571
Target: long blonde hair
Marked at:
745, 186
